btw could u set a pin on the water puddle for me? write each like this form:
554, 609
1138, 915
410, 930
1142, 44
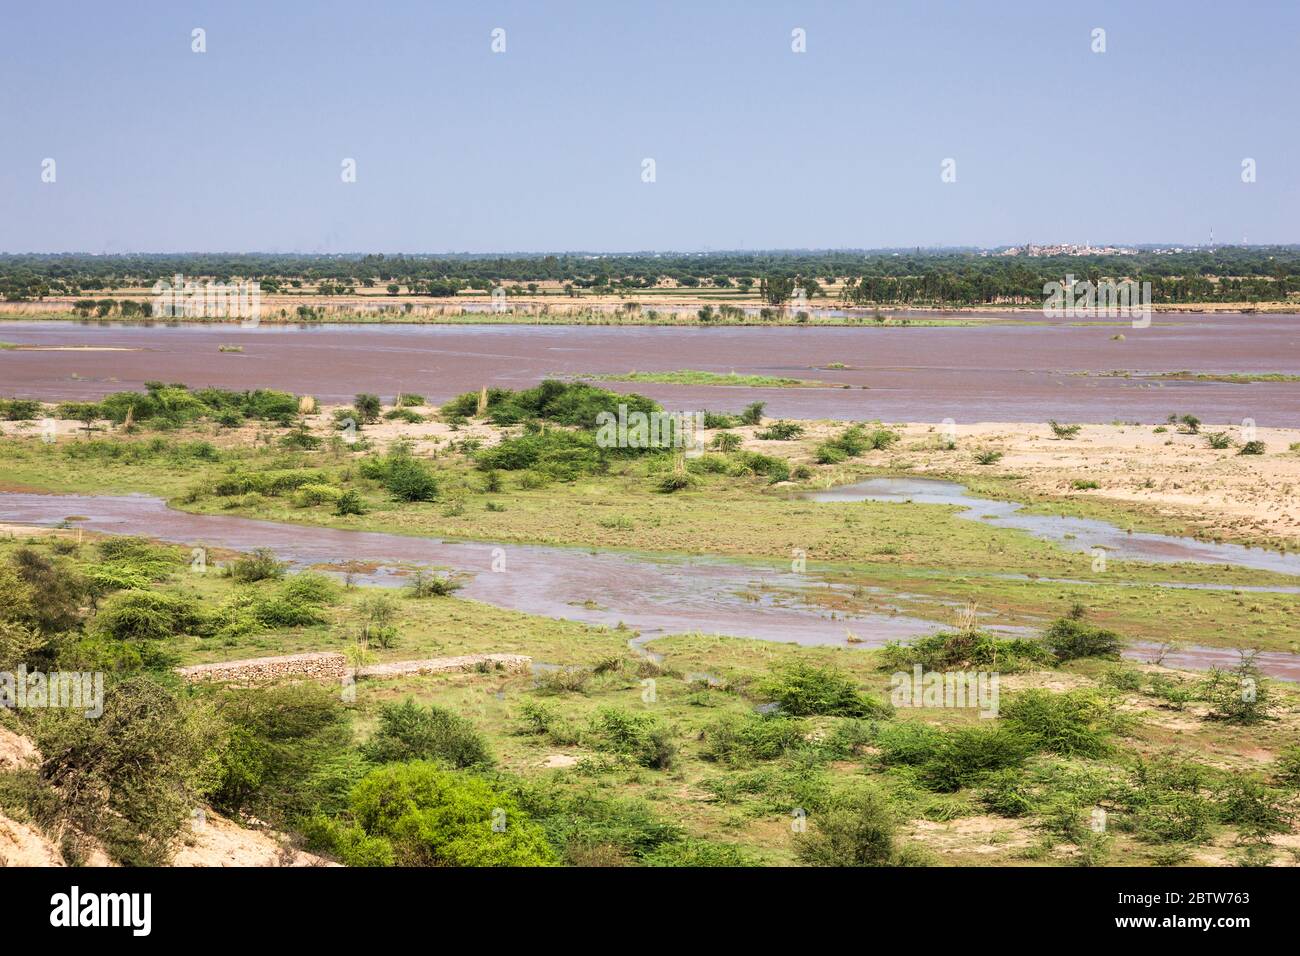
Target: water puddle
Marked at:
1071, 534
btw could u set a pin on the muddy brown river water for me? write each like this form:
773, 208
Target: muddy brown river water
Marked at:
1000, 372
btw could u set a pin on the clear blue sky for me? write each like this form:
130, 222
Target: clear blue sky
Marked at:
540, 148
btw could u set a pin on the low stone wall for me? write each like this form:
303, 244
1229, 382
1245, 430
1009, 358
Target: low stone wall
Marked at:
329, 666
268, 670
446, 665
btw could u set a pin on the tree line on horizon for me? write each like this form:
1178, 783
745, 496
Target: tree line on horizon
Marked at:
944, 277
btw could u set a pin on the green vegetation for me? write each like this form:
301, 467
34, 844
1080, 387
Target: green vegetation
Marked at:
458, 769
852, 442
886, 277
1064, 432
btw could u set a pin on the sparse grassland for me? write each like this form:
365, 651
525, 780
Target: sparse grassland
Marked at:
917, 559
634, 761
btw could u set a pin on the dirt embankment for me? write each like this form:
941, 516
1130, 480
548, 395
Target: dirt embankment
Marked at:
209, 840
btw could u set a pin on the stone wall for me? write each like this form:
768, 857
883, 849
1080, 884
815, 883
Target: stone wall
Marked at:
268, 670
329, 666
446, 665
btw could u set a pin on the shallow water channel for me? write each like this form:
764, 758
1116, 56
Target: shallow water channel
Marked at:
648, 594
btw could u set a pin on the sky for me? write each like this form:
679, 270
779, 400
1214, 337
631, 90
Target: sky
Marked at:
542, 147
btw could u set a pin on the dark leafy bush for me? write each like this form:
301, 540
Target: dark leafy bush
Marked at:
131, 777
261, 565
1069, 639
274, 740
558, 454
965, 649
640, 736
408, 731
405, 477
780, 431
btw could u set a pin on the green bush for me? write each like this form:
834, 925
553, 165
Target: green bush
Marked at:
1007, 794
408, 731
639, 736
739, 739
803, 690
1074, 724
908, 743
565, 403
434, 817
146, 615
19, 409
403, 476
349, 503
858, 833
967, 755
555, 453
726, 441
368, 406
297, 603
780, 431
131, 777
852, 442
1069, 639
965, 650
316, 494
1288, 767
274, 740
1176, 817
55, 591
261, 565
1256, 810
1238, 696
753, 463
584, 824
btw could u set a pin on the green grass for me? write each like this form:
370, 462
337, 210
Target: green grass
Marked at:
917, 559
1237, 378
735, 778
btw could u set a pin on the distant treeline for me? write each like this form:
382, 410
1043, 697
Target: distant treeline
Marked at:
916, 277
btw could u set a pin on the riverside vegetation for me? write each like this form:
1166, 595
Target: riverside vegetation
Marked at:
714, 751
